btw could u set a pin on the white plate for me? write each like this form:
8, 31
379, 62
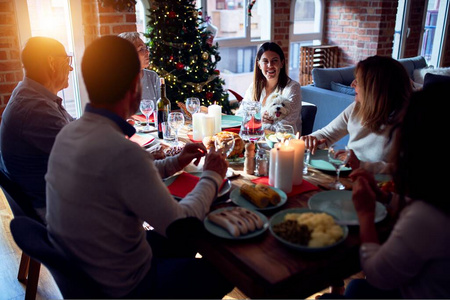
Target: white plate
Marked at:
319, 161
223, 233
340, 205
230, 121
279, 217
225, 187
237, 199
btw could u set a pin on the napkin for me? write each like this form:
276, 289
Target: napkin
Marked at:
142, 118
141, 139
233, 129
184, 184
304, 187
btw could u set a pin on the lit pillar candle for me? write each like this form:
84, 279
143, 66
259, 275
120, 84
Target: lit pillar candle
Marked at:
299, 152
284, 168
197, 120
273, 164
208, 125
216, 111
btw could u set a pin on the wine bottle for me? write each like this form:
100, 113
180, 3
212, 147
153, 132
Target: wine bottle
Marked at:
163, 108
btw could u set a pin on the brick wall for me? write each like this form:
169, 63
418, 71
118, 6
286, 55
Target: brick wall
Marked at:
360, 28
281, 25
10, 66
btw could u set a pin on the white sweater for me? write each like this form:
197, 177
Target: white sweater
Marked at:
372, 149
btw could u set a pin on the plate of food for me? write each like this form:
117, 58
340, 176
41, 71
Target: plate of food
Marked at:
320, 162
307, 229
340, 204
230, 121
236, 223
258, 197
237, 155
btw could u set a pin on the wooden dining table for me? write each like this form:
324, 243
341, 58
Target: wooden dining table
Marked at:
263, 267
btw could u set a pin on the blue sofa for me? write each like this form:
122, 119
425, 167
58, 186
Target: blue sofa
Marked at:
331, 91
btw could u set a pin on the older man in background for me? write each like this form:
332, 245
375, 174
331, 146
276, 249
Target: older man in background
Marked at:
34, 116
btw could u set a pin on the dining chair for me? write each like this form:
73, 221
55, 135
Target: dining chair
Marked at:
18, 201
308, 114
32, 237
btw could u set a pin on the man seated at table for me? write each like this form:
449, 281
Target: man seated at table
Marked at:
101, 187
33, 117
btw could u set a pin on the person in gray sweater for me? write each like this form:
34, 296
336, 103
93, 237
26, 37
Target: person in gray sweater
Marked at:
101, 187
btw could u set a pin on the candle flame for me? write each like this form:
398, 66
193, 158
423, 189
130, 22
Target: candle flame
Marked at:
297, 135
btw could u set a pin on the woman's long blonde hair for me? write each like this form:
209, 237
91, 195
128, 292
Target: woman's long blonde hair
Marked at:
386, 88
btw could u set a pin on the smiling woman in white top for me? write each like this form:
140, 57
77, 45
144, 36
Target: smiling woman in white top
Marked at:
270, 77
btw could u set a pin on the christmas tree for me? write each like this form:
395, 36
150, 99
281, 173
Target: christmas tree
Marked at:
182, 52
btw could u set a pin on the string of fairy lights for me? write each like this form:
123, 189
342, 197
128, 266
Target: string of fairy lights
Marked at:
184, 63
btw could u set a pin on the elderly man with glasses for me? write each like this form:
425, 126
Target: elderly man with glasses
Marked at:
34, 116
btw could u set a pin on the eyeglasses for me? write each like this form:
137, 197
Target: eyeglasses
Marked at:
144, 49
67, 57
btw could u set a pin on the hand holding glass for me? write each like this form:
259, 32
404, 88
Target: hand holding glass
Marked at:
176, 121
338, 156
147, 107
225, 143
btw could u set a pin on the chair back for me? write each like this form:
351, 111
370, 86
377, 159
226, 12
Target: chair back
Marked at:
32, 237
308, 117
19, 202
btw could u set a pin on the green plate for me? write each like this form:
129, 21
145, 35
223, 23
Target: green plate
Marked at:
229, 121
319, 161
340, 204
223, 233
279, 217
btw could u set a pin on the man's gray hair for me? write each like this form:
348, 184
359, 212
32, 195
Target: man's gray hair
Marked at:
131, 36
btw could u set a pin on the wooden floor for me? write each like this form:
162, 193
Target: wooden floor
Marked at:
12, 289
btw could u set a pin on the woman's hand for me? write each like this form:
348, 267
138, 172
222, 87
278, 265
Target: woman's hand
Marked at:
311, 142
216, 161
380, 195
267, 118
190, 152
353, 161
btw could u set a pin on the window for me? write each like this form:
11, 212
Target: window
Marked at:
306, 29
239, 36
57, 19
142, 8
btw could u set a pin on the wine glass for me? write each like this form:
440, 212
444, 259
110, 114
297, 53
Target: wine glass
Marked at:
224, 142
338, 156
192, 106
176, 121
147, 107
284, 132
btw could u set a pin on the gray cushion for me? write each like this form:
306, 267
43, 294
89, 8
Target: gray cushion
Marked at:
342, 88
323, 77
413, 63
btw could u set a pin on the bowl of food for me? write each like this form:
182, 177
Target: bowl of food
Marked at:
307, 229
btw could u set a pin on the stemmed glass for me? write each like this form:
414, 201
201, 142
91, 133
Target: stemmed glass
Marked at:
285, 132
176, 121
147, 107
338, 156
224, 142
192, 106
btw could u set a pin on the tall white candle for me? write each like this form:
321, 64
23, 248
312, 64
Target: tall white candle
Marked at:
299, 152
216, 111
197, 122
284, 168
273, 164
208, 125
